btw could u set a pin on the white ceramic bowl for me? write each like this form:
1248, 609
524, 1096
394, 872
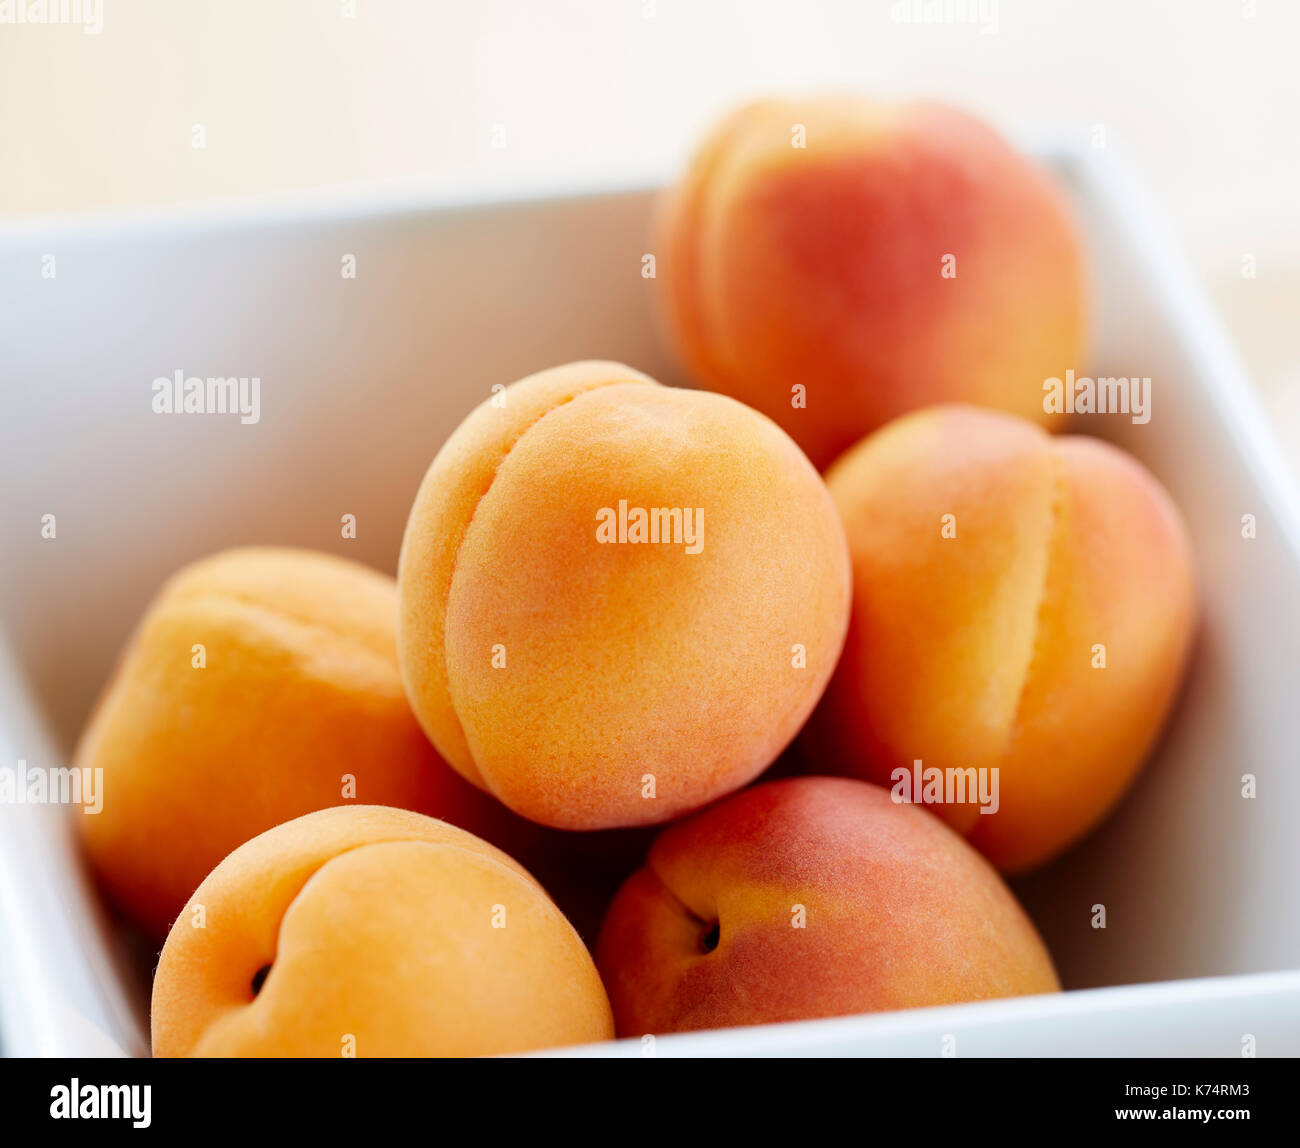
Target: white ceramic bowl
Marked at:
361, 381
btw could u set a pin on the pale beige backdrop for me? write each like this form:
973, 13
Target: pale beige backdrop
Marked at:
1204, 95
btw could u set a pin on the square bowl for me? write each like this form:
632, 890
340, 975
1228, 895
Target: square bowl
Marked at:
363, 378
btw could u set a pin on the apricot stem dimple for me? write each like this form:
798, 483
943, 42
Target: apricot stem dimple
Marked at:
259, 979
709, 940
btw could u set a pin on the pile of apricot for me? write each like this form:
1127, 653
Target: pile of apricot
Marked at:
378, 817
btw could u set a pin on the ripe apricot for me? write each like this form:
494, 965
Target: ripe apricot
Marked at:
838, 262
811, 897
374, 932
1023, 604
261, 684
619, 600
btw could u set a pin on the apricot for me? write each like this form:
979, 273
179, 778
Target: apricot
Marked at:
1023, 609
375, 932
618, 601
261, 684
811, 897
838, 262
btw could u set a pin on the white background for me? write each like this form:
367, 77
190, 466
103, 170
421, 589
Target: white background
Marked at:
1203, 95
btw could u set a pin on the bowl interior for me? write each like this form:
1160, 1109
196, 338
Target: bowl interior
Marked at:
361, 380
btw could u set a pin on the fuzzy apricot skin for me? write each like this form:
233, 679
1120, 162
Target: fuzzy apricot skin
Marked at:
589, 684
372, 932
995, 567
811, 897
904, 256
297, 705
